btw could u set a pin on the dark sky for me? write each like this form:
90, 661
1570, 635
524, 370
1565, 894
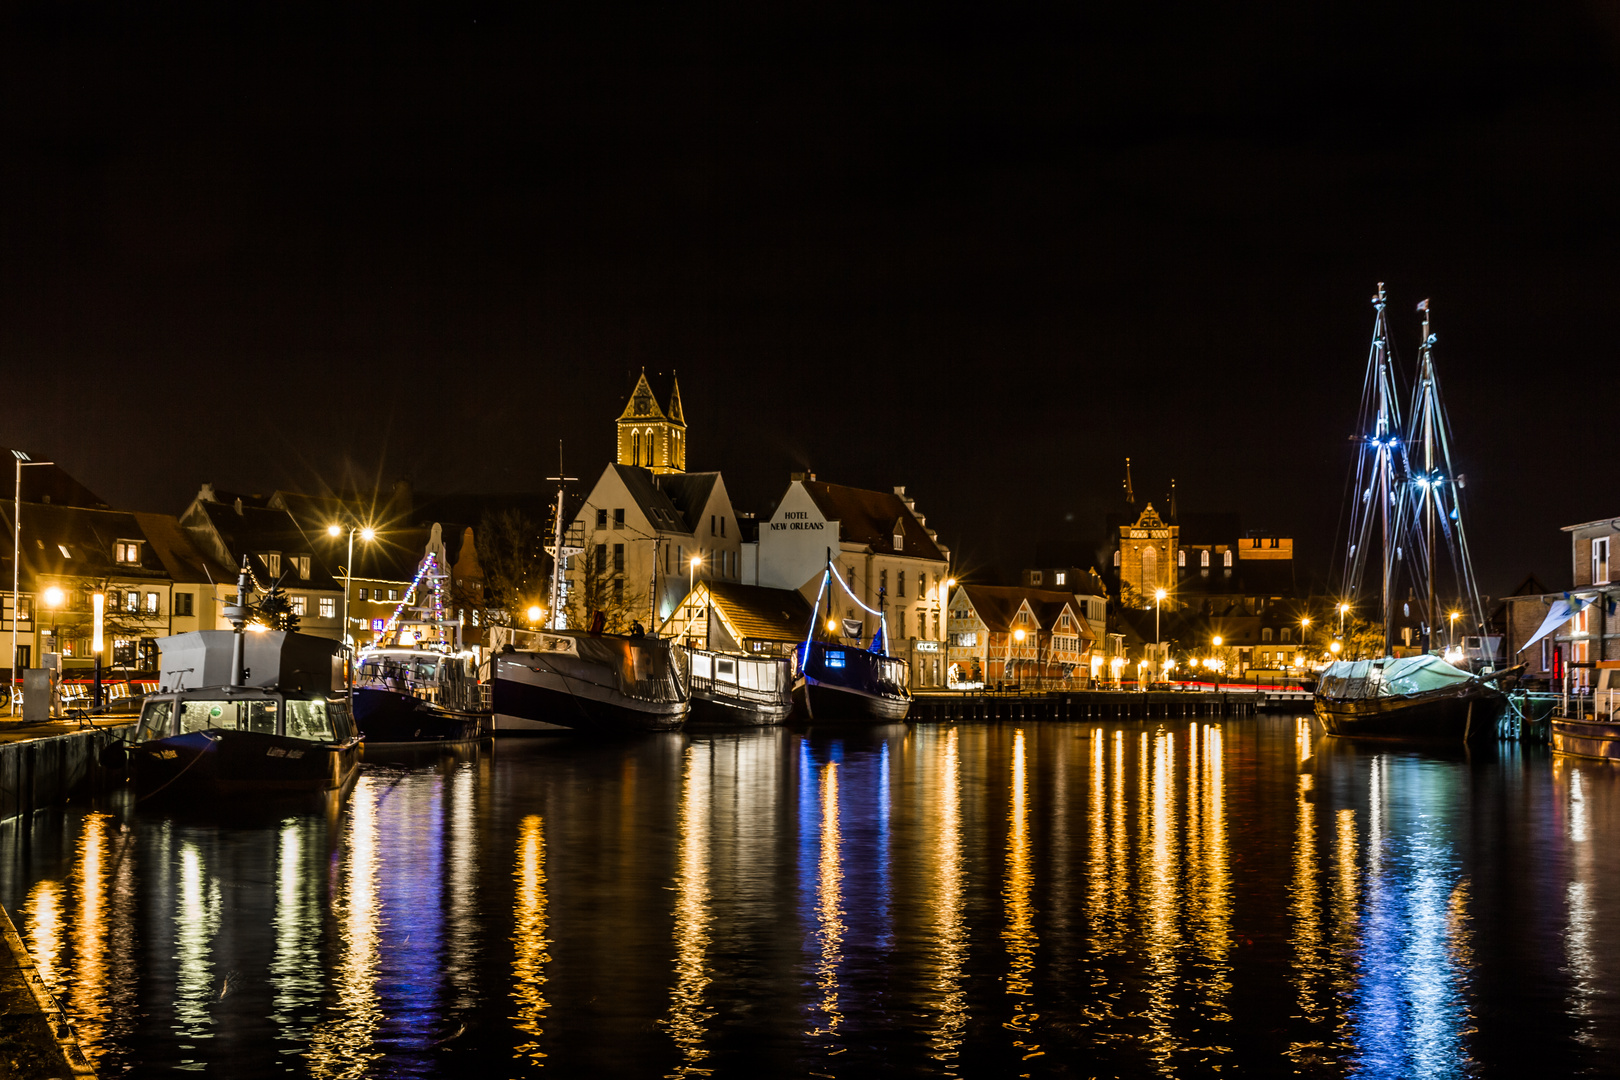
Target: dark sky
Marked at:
985, 253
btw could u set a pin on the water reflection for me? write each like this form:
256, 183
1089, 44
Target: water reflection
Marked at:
950, 926
829, 906
196, 922
1020, 933
295, 968
687, 1013
529, 937
343, 1044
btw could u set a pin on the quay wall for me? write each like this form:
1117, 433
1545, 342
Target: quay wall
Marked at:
35, 773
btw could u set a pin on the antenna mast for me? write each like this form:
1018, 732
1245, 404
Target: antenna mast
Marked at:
559, 551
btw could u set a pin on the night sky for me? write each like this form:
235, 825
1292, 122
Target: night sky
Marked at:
984, 253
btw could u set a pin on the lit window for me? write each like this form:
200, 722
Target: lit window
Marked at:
393, 594
1203, 558
302, 562
1181, 557
1600, 561
273, 563
132, 602
328, 607
127, 551
364, 593
151, 603
1059, 578
299, 605
66, 554
1116, 557
1226, 557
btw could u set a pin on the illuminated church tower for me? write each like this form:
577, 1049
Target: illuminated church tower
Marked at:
651, 437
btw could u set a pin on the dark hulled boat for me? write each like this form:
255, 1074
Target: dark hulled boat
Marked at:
837, 682
270, 717
418, 695
1414, 697
600, 684
733, 690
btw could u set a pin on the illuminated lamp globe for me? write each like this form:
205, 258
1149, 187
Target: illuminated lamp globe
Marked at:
697, 561
1018, 635
334, 530
1159, 595
534, 613
1335, 647
368, 533
950, 583
1217, 641
54, 597
832, 624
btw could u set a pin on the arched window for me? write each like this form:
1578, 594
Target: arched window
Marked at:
635, 448
652, 449
1203, 558
1265, 635
1150, 569
1181, 556
1226, 557
1288, 634
1116, 556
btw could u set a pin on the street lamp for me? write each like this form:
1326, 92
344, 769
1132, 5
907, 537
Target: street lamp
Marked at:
692, 565
1453, 640
534, 613
368, 534
1335, 647
1344, 609
54, 598
1018, 636
1304, 633
16, 565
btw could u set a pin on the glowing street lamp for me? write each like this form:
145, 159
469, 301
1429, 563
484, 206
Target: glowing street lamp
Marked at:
368, 534
1344, 609
1018, 636
534, 613
1304, 632
1453, 617
1158, 602
1335, 647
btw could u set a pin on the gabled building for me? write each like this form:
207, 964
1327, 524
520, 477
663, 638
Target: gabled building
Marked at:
731, 617
1564, 637
1010, 634
885, 556
1087, 587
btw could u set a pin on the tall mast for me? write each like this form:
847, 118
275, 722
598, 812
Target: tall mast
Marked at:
1429, 491
1383, 439
559, 552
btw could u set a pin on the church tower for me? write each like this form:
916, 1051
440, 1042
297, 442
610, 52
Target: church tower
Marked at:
649, 436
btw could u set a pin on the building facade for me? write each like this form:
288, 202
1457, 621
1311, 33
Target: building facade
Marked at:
1564, 637
1021, 635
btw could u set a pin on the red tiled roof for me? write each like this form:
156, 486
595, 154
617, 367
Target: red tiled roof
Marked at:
869, 517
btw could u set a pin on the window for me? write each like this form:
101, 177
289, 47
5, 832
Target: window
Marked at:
902, 622
618, 592
1226, 557
680, 554
151, 603
900, 585
132, 601
1203, 558
25, 611
722, 528
123, 651
899, 541
666, 558
652, 448
1181, 556
713, 530
300, 605
302, 562
1150, 569
66, 554
1288, 633
127, 551
1265, 635
601, 558
393, 594
618, 558
852, 579
618, 518
1035, 577
1116, 557
273, 564
183, 602
1600, 561
601, 518
364, 593
1059, 578
635, 448
328, 607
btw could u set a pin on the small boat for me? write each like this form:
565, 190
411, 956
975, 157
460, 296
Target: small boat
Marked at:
404, 695
737, 690
1575, 733
833, 680
1413, 697
1406, 502
596, 683
269, 716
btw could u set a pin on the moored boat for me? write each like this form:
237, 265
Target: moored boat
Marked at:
1415, 697
838, 681
418, 695
592, 683
1585, 726
735, 690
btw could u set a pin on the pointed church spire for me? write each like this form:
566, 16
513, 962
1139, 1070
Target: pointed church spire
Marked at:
675, 412
1130, 493
1172, 501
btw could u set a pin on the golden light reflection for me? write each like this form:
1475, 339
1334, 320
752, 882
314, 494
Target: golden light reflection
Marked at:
1097, 909
1346, 902
43, 906
89, 1000
1020, 933
950, 925
1304, 905
1211, 894
688, 1015
1161, 897
296, 966
829, 906
343, 1045
529, 935
196, 922
462, 864
1585, 974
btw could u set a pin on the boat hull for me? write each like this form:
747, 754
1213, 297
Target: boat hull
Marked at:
824, 702
527, 700
224, 763
718, 710
1440, 716
1596, 740
387, 716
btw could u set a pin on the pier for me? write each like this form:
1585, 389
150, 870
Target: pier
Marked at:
44, 764
956, 707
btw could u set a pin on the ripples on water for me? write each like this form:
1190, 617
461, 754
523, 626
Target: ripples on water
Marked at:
1052, 899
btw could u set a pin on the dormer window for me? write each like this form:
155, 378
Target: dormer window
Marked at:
899, 541
272, 563
127, 552
1058, 578
66, 554
302, 562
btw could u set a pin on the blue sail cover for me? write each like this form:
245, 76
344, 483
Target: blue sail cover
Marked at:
1389, 678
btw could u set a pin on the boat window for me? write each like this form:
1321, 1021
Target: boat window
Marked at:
726, 669
342, 722
425, 669
155, 721
308, 720
834, 658
701, 666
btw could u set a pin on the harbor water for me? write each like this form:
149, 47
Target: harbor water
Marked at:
1247, 897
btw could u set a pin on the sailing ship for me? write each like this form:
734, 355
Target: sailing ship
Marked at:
834, 680
1405, 483
269, 716
421, 686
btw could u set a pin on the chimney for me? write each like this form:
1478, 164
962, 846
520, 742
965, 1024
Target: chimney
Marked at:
206, 494
239, 506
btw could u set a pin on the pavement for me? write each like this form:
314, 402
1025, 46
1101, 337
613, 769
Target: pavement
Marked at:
12, 729
36, 1040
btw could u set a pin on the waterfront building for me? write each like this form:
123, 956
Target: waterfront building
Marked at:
1563, 637
1087, 587
882, 550
728, 616
1017, 634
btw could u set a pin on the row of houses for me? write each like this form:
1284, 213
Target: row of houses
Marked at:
1565, 637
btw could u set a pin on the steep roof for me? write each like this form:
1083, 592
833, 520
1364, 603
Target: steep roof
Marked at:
689, 493
758, 612
998, 605
76, 541
870, 517
185, 563
258, 530
656, 506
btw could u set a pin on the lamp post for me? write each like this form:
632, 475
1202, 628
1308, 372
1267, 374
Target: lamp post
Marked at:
1158, 602
1018, 637
16, 567
1304, 633
1452, 636
54, 597
368, 534
1344, 609
98, 611
692, 565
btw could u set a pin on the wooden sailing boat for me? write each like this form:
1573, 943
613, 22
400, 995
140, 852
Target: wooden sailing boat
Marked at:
1416, 507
